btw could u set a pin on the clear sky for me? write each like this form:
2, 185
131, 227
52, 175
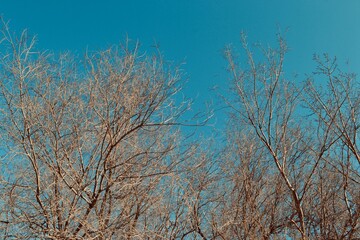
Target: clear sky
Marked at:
194, 31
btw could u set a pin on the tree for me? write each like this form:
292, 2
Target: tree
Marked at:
252, 204
315, 160
94, 149
337, 111
88, 146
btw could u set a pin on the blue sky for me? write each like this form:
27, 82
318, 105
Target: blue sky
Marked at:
194, 32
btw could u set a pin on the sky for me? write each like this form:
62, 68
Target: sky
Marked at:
194, 33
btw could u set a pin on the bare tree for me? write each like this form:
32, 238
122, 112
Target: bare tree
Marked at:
252, 204
93, 149
87, 146
336, 108
314, 161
